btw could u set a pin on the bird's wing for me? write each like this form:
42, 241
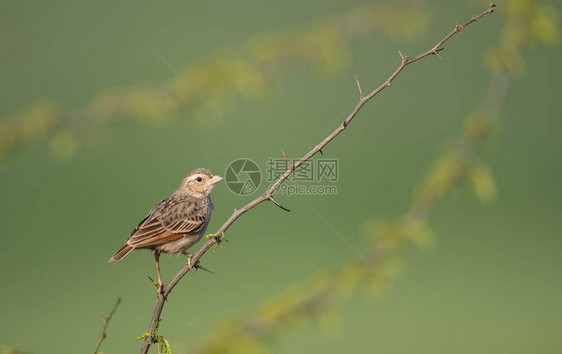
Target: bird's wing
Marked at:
168, 221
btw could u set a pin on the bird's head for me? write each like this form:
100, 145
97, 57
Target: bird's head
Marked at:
199, 183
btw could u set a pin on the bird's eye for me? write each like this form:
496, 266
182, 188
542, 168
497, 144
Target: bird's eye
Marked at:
199, 179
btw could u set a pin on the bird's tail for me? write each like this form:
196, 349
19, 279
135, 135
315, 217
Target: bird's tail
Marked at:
123, 251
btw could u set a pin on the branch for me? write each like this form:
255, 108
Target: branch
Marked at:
106, 320
267, 196
307, 303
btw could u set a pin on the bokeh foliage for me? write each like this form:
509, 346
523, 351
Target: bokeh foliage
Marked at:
249, 72
242, 71
528, 24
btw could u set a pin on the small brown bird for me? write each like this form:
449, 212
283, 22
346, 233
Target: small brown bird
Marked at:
177, 222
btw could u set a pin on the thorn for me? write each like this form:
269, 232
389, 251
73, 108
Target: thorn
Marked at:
404, 58
437, 53
458, 28
388, 83
199, 266
321, 153
359, 87
279, 205
205, 269
289, 162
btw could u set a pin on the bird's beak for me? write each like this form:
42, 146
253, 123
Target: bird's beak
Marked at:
214, 180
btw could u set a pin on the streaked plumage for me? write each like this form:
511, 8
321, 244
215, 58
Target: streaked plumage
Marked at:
177, 222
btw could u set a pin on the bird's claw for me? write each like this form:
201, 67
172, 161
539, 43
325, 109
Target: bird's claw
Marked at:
189, 265
161, 287
158, 285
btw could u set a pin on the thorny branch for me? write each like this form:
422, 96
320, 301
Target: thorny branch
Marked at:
267, 196
282, 311
106, 320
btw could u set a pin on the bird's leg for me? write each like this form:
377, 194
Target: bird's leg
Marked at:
189, 256
197, 265
160, 284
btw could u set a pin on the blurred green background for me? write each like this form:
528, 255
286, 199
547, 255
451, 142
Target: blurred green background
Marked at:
72, 191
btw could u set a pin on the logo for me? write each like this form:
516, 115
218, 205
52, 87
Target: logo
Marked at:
242, 176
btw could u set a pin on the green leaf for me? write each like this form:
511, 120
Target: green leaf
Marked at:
144, 335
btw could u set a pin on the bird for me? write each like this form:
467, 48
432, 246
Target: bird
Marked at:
177, 222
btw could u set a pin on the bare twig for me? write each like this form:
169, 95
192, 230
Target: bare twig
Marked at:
289, 163
106, 320
359, 87
267, 196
